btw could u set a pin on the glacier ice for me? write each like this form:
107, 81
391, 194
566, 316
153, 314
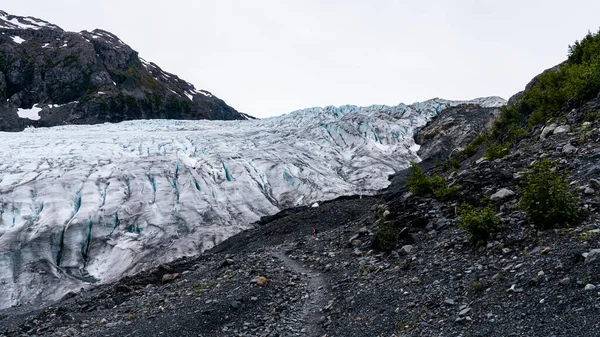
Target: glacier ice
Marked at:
81, 205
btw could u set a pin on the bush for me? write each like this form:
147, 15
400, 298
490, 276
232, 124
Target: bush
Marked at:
439, 187
472, 148
546, 196
420, 184
592, 116
418, 181
495, 151
515, 133
575, 82
479, 223
386, 234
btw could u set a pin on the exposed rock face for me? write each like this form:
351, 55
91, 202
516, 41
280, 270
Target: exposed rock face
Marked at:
87, 78
454, 129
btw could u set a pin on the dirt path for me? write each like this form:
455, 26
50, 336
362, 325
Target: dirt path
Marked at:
309, 316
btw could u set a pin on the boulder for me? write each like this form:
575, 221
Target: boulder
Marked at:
561, 129
502, 194
547, 131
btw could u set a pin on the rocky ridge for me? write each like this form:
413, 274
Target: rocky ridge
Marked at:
50, 77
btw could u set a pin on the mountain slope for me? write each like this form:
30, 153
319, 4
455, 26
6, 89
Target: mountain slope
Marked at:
52, 77
90, 204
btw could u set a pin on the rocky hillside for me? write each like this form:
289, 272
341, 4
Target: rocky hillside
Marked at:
49, 77
499, 239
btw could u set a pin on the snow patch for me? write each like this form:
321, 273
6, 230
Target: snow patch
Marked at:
18, 39
32, 113
190, 96
203, 92
22, 22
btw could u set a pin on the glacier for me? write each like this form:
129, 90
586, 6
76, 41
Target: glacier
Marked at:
89, 204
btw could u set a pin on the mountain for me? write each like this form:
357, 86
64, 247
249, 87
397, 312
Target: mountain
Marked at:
52, 77
83, 205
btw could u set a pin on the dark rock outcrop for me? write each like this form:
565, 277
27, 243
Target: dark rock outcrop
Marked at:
87, 78
455, 128
451, 131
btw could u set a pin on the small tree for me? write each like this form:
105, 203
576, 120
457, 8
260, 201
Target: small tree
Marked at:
479, 223
546, 196
386, 234
418, 181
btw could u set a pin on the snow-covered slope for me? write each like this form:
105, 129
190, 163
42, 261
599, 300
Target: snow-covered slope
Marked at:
86, 204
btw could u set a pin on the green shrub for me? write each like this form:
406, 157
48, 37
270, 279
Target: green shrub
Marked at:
515, 133
386, 234
479, 223
439, 187
420, 184
418, 181
546, 196
451, 164
592, 116
495, 151
472, 148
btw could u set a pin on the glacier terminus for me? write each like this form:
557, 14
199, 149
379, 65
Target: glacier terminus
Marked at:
88, 204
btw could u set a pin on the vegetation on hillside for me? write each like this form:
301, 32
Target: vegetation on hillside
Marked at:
546, 196
554, 92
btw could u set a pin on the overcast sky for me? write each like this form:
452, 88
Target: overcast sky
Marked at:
269, 57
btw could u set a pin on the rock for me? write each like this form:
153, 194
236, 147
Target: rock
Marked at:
589, 286
262, 281
170, 277
595, 183
506, 250
592, 256
228, 262
514, 289
589, 190
502, 194
386, 213
405, 250
121, 288
356, 243
568, 149
449, 301
234, 304
353, 238
464, 312
363, 230
102, 321
315, 205
546, 131
565, 281
480, 160
561, 129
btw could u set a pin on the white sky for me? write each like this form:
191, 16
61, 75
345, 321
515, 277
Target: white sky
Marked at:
268, 57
